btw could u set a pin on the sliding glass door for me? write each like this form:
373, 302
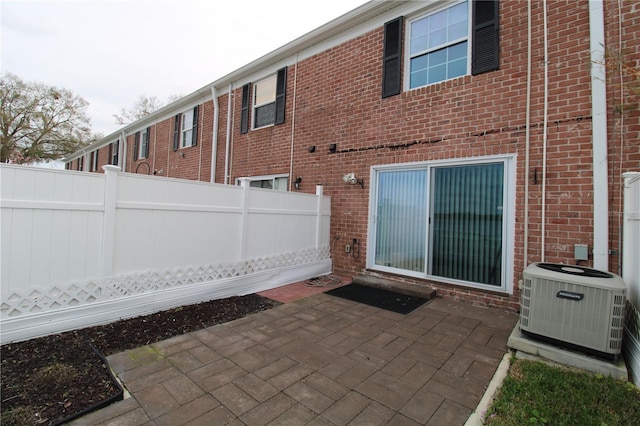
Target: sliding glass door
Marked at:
441, 221
466, 224
401, 219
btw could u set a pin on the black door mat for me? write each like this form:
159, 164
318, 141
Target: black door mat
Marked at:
383, 299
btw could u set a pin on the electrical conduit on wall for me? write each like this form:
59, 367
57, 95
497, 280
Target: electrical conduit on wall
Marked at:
293, 122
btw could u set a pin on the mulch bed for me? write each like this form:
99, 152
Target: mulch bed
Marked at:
48, 379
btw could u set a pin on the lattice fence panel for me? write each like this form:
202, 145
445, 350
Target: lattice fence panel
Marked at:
114, 287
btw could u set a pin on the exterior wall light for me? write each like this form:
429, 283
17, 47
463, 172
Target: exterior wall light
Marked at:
296, 183
351, 179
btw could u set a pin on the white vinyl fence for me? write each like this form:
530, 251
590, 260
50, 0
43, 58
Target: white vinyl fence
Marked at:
631, 272
80, 249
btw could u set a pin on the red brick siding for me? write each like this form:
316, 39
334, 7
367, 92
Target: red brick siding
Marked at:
337, 99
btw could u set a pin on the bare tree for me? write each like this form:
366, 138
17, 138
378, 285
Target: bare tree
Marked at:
143, 106
39, 122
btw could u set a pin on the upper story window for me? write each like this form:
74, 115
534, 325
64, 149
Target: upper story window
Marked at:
141, 144
93, 166
461, 39
113, 152
265, 104
186, 136
185, 130
438, 46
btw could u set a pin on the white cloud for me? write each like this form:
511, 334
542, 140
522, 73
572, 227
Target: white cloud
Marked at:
111, 52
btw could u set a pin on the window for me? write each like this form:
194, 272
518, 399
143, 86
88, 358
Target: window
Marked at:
438, 46
277, 182
93, 166
144, 143
113, 152
141, 144
264, 102
186, 137
445, 220
446, 43
185, 130
80, 163
268, 101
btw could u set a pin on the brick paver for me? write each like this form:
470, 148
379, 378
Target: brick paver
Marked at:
319, 360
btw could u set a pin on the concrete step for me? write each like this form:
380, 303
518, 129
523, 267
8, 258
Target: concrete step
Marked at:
396, 286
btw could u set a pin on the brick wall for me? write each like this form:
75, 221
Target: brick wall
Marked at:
337, 99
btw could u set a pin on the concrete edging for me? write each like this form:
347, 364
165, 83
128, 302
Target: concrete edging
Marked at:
477, 417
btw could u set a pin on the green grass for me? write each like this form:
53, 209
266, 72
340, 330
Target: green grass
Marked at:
535, 393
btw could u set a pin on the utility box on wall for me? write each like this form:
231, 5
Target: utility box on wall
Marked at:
581, 252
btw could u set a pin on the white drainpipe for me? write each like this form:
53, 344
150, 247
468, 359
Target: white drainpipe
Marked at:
599, 137
214, 138
228, 138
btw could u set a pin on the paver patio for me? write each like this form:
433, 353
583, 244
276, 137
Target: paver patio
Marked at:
320, 360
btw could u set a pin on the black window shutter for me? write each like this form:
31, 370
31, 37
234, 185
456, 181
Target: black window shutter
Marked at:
146, 144
485, 51
244, 116
281, 95
392, 58
136, 145
176, 132
110, 156
194, 133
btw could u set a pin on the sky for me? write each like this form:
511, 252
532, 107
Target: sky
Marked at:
110, 52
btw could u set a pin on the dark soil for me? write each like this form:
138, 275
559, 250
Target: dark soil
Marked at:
49, 379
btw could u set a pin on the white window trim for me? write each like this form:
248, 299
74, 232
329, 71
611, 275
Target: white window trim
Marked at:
255, 106
407, 43
508, 243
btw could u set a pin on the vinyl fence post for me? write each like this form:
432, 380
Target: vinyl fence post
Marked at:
244, 223
109, 221
319, 193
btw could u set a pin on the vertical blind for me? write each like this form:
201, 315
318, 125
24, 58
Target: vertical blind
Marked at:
465, 215
401, 219
466, 235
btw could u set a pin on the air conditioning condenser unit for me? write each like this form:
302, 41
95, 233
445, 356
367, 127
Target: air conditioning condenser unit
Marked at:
574, 306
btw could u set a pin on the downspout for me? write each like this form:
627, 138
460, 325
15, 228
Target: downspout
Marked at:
214, 137
228, 138
599, 137
293, 122
527, 139
122, 148
544, 132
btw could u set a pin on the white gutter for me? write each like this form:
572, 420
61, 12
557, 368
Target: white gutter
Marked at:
599, 137
228, 138
214, 137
